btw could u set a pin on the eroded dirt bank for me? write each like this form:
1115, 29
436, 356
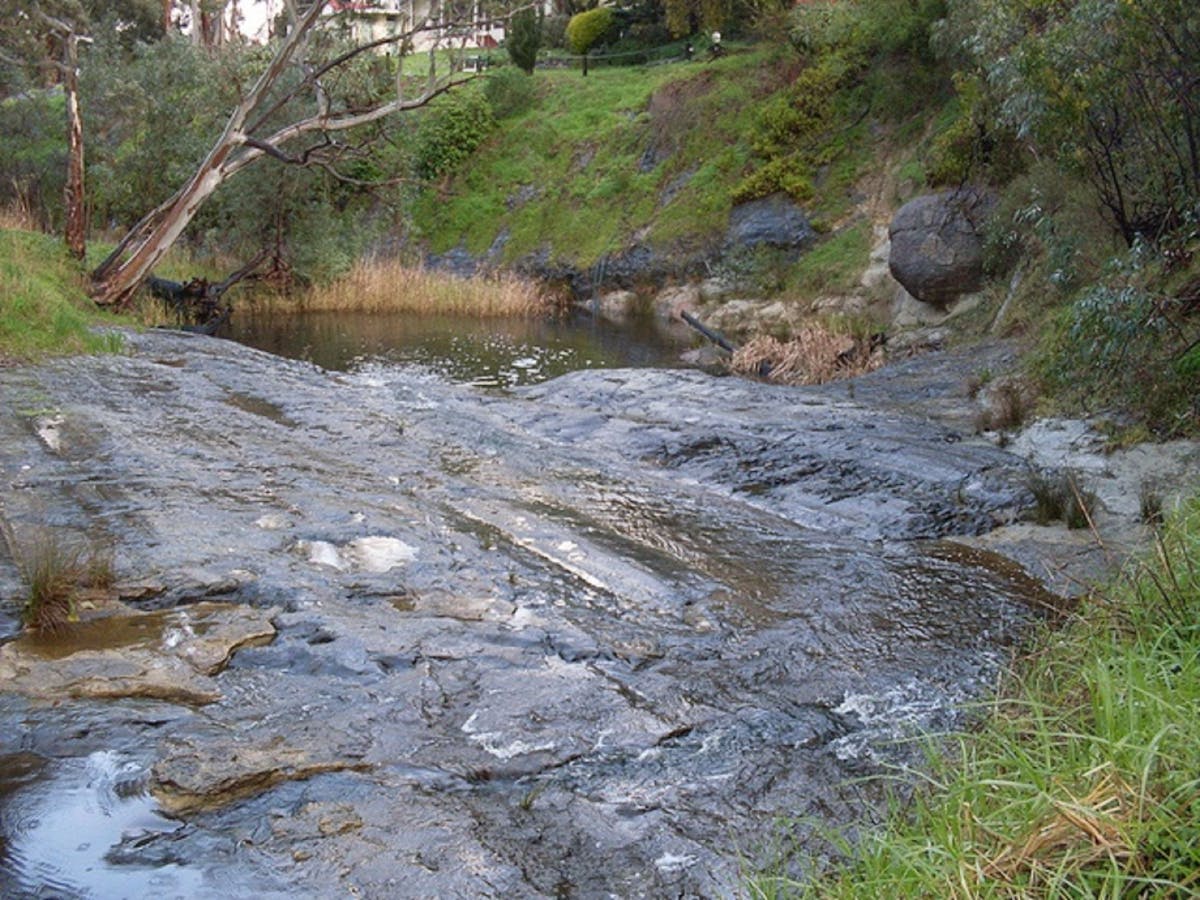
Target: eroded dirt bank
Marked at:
596, 637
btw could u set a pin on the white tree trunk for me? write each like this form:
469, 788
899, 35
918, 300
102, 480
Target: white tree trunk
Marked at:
117, 278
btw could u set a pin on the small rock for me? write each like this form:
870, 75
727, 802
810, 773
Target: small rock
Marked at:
672, 301
617, 306
773, 221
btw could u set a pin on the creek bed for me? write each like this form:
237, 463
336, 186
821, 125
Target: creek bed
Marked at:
621, 632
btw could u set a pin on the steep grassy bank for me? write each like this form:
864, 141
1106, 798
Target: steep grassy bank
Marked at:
1083, 781
43, 307
590, 161
864, 106
581, 168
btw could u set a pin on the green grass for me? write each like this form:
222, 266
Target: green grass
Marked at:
566, 176
655, 155
43, 308
834, 265
1085, 779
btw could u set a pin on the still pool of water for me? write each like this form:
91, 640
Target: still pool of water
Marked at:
495, 352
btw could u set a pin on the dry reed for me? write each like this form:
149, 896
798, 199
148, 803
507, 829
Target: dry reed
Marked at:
17, 216
390, 286
813, 355
1073, 835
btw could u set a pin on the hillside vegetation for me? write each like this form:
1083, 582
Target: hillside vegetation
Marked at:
1077, 117
1080, 118
581, 168
43, 307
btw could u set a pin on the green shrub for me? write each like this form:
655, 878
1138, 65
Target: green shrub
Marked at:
451, 130
33, 154
787, 131
508, 92
1099, 86
1125, 342
587, 29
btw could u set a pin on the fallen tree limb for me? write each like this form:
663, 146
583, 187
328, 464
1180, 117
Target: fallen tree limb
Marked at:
715, 336
197, 303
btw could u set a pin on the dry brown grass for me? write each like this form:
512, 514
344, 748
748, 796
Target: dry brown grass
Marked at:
17, 216
813, 355
1074, 834
390, 286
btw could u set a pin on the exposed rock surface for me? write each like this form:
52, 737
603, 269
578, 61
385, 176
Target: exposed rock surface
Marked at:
592, 638
936, 248
166, 656
773, 221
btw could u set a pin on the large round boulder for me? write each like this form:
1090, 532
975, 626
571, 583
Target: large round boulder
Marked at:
937, 245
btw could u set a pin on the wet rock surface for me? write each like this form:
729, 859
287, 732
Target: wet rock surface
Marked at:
596, 637
166, 656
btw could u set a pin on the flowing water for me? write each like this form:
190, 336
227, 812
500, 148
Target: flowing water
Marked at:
618, 632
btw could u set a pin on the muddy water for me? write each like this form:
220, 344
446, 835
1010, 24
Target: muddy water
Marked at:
619, 633
493, 352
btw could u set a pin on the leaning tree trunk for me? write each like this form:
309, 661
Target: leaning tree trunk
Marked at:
73, 194
115, 280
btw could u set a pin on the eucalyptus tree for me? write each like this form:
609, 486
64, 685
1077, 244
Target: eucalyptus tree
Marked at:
1109, 88
298, 111
44, 37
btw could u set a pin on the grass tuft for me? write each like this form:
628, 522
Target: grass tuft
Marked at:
56, 572
52, 570
1083, 781
1060, 497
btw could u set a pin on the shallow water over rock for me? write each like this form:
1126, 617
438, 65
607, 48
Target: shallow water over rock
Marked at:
606, 635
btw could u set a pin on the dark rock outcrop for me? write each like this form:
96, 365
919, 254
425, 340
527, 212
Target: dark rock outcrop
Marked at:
773, 221
937, 246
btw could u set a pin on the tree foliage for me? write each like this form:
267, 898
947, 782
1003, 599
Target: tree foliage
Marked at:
450, 132
304, 107
1110, 87
525, 38
587, 29
688, 16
